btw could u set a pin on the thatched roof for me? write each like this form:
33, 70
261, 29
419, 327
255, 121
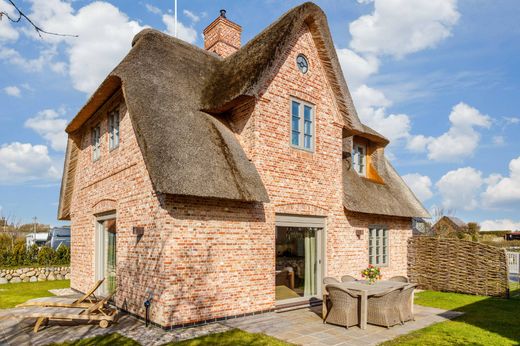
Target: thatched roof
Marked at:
393, 198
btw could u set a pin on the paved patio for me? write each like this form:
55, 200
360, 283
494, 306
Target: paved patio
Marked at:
301, 327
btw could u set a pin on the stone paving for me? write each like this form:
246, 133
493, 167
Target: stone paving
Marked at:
305, 327
301, 327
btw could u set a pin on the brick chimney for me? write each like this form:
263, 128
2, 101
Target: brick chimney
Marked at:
222, 36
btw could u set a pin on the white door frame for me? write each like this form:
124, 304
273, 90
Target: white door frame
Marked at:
99, 250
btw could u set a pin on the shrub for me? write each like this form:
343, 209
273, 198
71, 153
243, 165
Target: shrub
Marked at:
62, 255
46, 256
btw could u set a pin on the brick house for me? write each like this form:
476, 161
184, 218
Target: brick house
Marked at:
229, 180
450, 227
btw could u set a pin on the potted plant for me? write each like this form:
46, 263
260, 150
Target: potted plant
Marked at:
372, 274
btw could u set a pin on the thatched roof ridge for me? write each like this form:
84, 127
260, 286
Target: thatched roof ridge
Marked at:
243, 73
393, 198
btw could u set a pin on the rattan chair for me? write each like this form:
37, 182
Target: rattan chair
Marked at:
344, 307
330, 280
347, 278
405, 303
383, 309
399, 279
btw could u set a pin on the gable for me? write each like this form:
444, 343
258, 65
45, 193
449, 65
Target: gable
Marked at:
245, 72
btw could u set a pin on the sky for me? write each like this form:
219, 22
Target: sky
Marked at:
439, 78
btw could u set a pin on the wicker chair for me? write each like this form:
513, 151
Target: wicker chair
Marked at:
383, 309
347, 278
399, 279
330, 280
344, 309
405, 303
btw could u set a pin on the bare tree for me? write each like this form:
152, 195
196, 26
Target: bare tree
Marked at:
22, 15
438, 213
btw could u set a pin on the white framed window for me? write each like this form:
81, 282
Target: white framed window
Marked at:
96, 142
302, 125
378, 245
113, 129
359, 159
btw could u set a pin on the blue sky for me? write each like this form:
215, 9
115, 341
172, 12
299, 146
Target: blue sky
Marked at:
440, 78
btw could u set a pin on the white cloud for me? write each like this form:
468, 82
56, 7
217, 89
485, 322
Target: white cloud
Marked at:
50, 124
13, 91
420, 185
459, 141
371, 106
504, 191
460, 188
192, 16
153, 9
23, 162
184, 32
33, 65
499, 140
512, 120
356, 68
500, 225
399, 27
7, 32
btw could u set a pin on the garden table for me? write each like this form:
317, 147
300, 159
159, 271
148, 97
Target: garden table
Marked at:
366, 290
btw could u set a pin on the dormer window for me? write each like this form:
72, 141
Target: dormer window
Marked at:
359, 159
302, 125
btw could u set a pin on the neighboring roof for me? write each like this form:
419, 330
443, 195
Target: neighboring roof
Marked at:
393, 198
455, 221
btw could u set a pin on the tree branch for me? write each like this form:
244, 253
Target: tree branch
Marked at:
38, 29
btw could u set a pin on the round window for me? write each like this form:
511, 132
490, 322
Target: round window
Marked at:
303, 64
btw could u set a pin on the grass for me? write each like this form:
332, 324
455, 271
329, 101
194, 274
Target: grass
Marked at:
487, 321
17, 293
101, 340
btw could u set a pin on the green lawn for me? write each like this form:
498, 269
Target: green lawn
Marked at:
13, 294
487, 321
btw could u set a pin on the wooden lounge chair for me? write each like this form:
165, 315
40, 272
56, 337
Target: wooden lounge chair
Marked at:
383, 309
348, 278
98, 311
406, 303
344, 307
399, 279
84, 301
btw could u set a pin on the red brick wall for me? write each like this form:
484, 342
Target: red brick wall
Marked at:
222, 37
204, 258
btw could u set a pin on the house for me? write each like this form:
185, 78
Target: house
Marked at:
512, 236
59, 236
229, 180
38, 238
449, 226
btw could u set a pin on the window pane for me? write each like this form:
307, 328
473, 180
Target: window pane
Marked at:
296, 124
295, 109
307, 142
295, 138
307, 113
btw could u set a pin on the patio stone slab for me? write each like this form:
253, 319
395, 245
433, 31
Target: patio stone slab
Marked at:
307, 324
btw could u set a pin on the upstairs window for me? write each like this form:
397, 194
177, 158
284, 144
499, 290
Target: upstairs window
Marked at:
378, 246
359, 159
96, 143
113, 129
302, 125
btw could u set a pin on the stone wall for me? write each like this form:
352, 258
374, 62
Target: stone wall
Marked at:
32, 274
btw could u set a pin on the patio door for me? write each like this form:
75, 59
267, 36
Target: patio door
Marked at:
299, 258
106, 253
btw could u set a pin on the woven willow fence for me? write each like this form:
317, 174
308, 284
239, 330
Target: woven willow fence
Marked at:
454, 265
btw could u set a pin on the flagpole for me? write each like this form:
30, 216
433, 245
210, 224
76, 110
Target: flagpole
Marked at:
175, 24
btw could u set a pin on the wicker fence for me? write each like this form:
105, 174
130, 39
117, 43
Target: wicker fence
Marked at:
454, 265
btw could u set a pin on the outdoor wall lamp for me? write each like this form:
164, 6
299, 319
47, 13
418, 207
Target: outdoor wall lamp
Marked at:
359, 233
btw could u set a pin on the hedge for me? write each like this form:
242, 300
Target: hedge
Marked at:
19, 255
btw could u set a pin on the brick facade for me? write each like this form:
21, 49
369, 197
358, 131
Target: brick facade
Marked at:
209, 258
222, 37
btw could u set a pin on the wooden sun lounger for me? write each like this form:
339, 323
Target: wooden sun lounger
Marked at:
64, 302
96, 312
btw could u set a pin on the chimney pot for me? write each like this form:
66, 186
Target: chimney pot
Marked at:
223, 13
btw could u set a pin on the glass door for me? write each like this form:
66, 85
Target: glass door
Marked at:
298, 262
106, 254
